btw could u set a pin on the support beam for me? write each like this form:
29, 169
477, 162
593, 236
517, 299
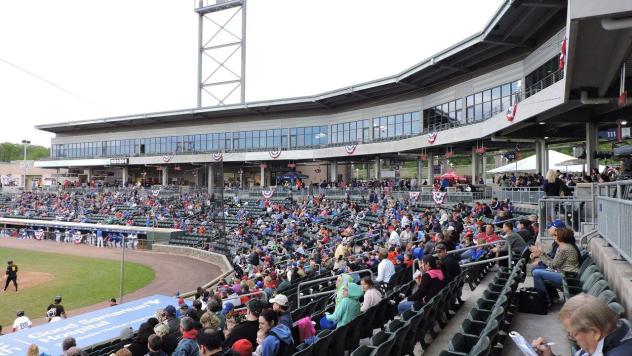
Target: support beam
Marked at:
378, 168
484, 171
210, 182
165, 176
125, 173
474, 166
333, 171
430, 176
262, 178
591, 145
420, 169
556, 4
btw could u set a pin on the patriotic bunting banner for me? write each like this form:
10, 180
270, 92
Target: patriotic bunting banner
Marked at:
563, 54
350, 149
267, 193
413, 195
432, 137
439, 197
218, 156
155, 192
275, 154
511, 112
167, 158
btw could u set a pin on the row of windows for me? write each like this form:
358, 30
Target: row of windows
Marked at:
479, 106
485, 104
350, 132
443, 116
388, 127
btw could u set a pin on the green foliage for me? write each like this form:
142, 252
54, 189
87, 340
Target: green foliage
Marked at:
15, 151
81, 281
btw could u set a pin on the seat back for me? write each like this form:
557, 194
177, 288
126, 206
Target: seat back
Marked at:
598, 287
482, 347
607, 296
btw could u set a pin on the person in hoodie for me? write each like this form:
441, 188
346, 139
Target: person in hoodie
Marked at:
427, 285
278, 336
187, 345
349, 307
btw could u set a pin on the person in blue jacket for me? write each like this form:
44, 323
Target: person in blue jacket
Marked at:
278, 336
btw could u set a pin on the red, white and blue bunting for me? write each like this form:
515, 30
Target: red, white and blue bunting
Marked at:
267, 193
78, 239
167, 158
350, 149
275, 154
155, 192
511, 112
432, 137
39, 234
563, 54
439, 197
218, 156
413, 195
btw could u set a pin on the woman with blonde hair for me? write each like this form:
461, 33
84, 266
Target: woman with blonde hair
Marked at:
552, 184
33, 350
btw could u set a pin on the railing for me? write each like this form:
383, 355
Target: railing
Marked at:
614, 224
574, 212
300, 297
544, 83
619, 189
519, 195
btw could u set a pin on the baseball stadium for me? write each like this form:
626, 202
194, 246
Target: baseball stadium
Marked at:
476, 203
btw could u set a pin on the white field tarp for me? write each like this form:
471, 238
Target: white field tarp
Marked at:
528, 165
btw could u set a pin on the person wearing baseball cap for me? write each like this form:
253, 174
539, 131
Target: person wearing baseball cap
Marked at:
246, 330
280, 305
56, 311
243, 347
172, 321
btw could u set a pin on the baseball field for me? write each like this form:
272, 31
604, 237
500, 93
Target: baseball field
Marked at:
81, 281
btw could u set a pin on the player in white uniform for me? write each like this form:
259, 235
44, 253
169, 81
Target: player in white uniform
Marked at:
22, 322
57, 235
67, 236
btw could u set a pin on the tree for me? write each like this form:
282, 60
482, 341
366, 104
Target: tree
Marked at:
15, 152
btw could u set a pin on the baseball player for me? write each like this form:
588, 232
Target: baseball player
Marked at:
55, 311
11, 275
99, 238
22, 322
57, 235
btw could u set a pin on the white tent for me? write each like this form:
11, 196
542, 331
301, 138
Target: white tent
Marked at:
528, 164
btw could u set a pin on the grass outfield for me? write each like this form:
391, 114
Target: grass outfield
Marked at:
81, 281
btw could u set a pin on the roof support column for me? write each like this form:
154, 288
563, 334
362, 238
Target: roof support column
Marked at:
378, 168
591, 146
125, 173
333, 171
420, 170
431, 158
209, 181
262, 178
165, 176
484, 172
474, 166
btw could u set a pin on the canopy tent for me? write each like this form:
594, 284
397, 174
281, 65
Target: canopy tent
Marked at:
556, 162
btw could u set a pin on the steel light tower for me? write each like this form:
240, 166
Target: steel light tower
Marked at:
221, 74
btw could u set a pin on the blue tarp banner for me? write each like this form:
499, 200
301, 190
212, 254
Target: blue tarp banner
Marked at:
88, 329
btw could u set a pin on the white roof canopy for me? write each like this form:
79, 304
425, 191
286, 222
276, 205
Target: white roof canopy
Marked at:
528, 165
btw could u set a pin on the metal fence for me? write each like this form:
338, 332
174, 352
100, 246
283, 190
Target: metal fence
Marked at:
519, 195
574, 212
614, 224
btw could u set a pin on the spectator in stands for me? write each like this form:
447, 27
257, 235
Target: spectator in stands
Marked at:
187, 346
449, 265
243, 347
280, 305
33, 350
168, 342
372, 296
246, 329
594, 327
210, 320
68, 343
139, 347
349, 307
209, 344
427, 285
526, 231
171, 320
154, 345
385, 269
277, 336
552, 184
566, 260
515, 241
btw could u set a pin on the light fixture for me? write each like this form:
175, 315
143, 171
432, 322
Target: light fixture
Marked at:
546, 137
541, 123
624, 122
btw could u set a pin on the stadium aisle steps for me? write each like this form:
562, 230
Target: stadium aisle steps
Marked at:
446, 334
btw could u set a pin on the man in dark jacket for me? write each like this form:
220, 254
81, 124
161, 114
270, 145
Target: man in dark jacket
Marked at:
247, 329
449, 265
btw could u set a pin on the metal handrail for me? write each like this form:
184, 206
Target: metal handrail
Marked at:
244, 295
299, 297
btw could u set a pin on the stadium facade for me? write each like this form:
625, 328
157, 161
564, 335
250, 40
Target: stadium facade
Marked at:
540, 71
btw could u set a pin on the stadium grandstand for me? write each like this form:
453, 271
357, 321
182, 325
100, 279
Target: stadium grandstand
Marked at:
339, 222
